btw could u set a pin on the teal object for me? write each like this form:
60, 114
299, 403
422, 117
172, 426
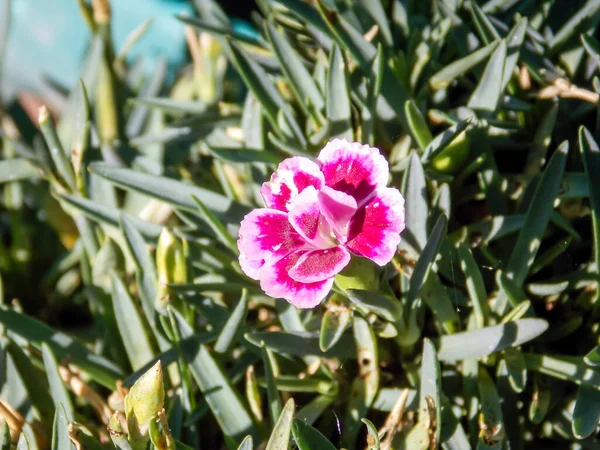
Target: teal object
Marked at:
50, 39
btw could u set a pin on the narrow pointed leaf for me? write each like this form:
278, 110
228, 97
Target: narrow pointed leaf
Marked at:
418, 127
485, 341
489, 90
442, 140
309, 438
586, 414
131, 327
223, 400
17, 169
338, 99
280, 436
60, 435
302, 344
444, 77
171, 191
232, 329
58, 390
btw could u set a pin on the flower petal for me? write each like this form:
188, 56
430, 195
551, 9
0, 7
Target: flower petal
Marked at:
319, 265
266, 234
250, 267
338, 208
375, 228
305, 216
292, 176
276, 282
352, 168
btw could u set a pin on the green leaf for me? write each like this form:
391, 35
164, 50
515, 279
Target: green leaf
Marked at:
233, 327
338, 99
58, 390
375, 9
60, 435
491, 412
475, 285
382, 305
216, 226
430, 390
170, 106
514, 41
537, 217
334, 323
586, 413
442, 140
57, 153
107, 215
364, 387
273, 396
218, 30
246, 444
485, 341
5, 436
27, 439
444, 77
516, 368
415, 194
301, 343
33, 380
591, 162
17, 169
171, 191
98, 368
309, 438
131, 327
302, 83
563, 368
541, 141
484, 27
314, 409
223, 400
243, 155
426, 259
265, 92
573, 25
593, 357
417, 125
280, 436
487, 94
347, 37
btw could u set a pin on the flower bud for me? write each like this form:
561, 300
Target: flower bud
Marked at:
170, 265
143, 402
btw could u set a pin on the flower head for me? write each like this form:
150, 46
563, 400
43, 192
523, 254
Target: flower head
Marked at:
317, 215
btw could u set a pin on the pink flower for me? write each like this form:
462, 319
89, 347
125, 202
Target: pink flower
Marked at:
316, 216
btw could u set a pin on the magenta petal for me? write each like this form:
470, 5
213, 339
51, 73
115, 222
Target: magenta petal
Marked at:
375, 229
305, 216
338, 208
276, 282
291, 177
352, 168
319, 265
266, 234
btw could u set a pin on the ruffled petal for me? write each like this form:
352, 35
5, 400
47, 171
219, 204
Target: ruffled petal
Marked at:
352, 168
305, 216
276, 282
319, 265
266, 235
292, 176
374, 231
338, 208
250, 267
